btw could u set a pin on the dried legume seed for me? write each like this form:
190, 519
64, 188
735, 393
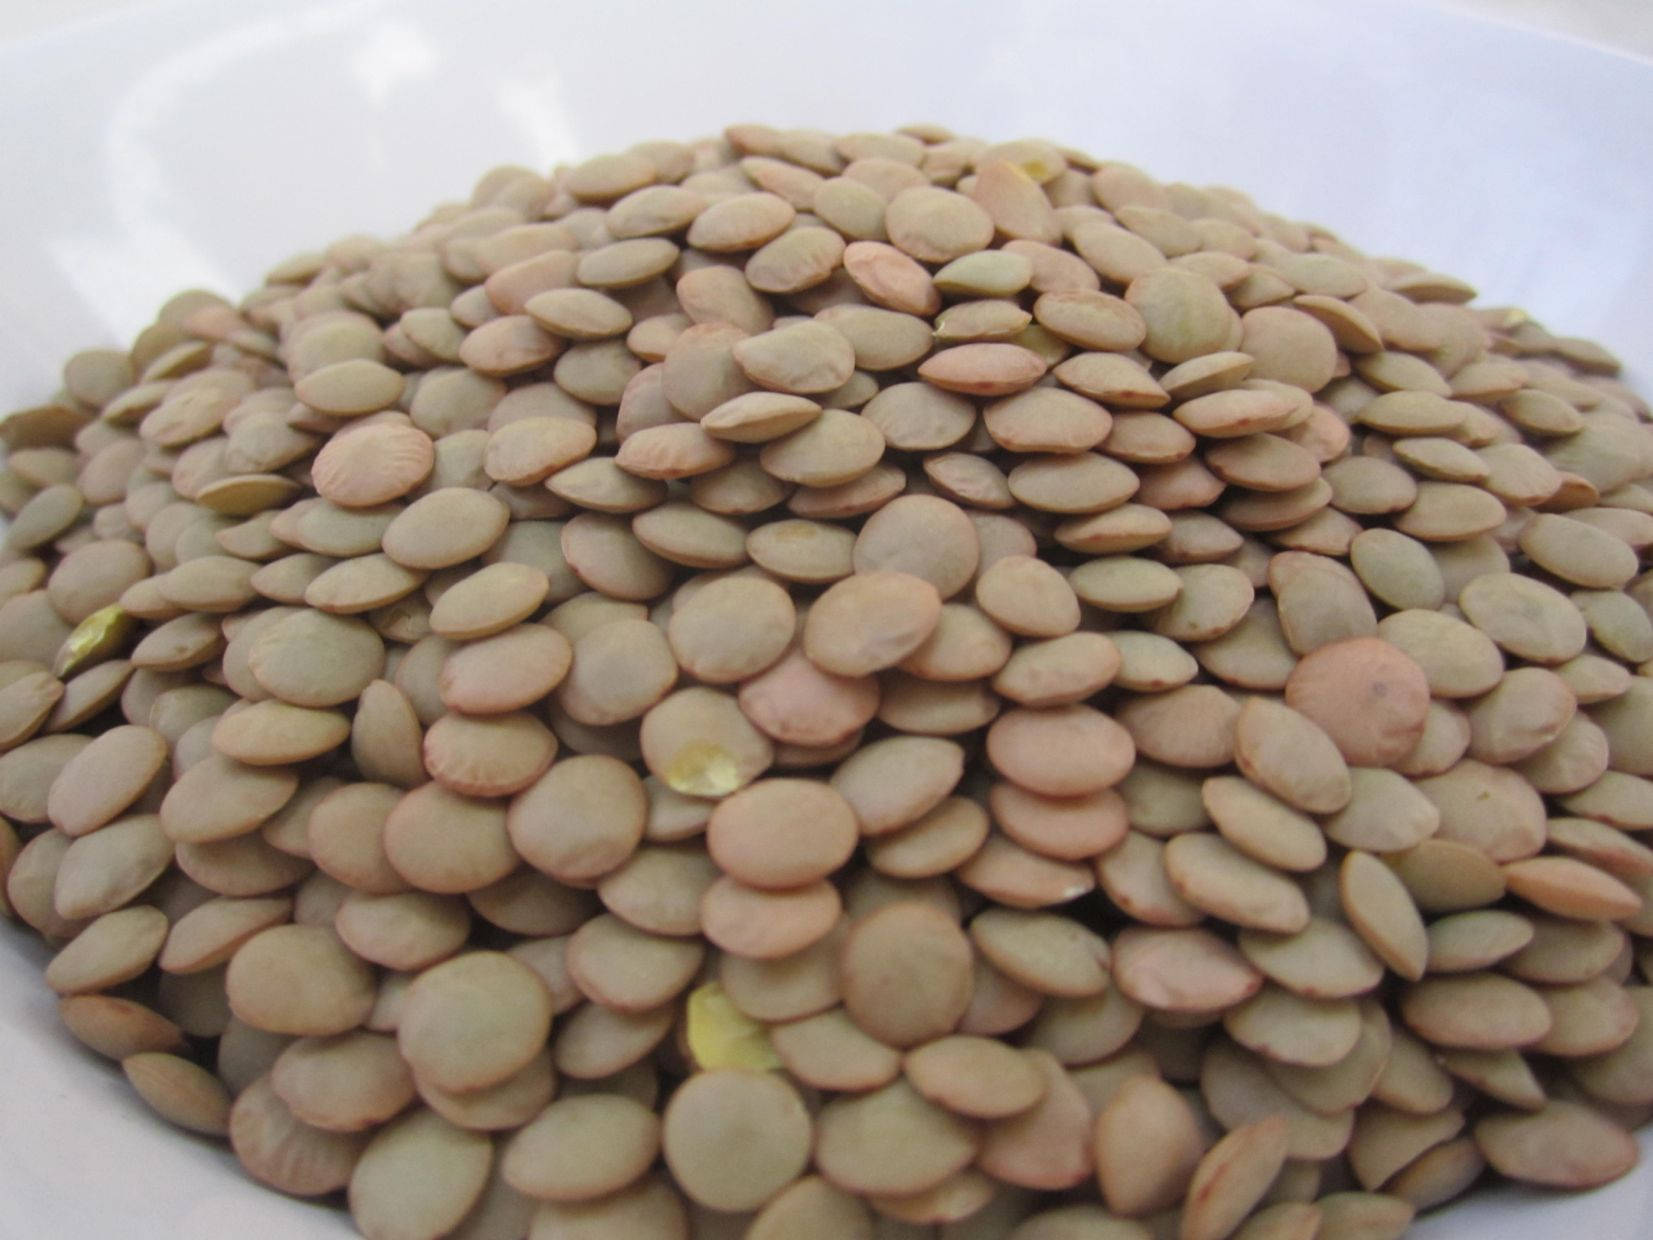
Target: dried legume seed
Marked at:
733, 1138
1288, 548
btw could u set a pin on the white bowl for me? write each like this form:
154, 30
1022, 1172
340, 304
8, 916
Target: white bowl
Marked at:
197, 143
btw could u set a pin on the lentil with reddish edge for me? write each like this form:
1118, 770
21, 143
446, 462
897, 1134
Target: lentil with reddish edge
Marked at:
763, 684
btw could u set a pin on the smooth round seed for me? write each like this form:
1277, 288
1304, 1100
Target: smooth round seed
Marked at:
973, 1076
758, 417
582, 819
802, 359
780, 833
798, 259
870, 621
372, 464
915, 417
650, 1207
992, 369
100, 872
272, 733
1439, 1174
1528, 710
1565, 951
1570, 888
1063, 751
313, 659
1238, 1090
893, 782
699, 743
1566, 1145
347, 1083
675, 450
732, 629
1232, 1178
489, 601
103, 779
1020, 878
619, 670
1524, 617
1066, 828
218, 799
299, 980
890, 1142
1185, 314
1045, 1147
115, 948
1062, 670
360, 584
580, 314
350, 388
1500, 1074
418, 1176
1147, 1144
1046, 953
445, 527
442, 1036
279, 1150
1619, 1075
1367, 695
1286, 753
794, 702
1387, 813
812, 1209
443, 842
938, 841
1234, 412
924, 536
48, 513
888, 277
1027, 597
1489, 808
1381, 911
761, 925
581, 1148
488, 757
508, 345
181, 1092
1181, 970
832, 448
1591, 1018
505, 672
733, 1138
628, 970
1091, 319
1262, 827
1042, 419
1214, 876
1288, 1028
1480, 1011
906, 974
1445, 876
595, 1042
1579, 553
740, 222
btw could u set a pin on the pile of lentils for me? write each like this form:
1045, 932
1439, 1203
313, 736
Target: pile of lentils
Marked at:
814, 688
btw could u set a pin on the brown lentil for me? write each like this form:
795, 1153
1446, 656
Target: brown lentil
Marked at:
766, 585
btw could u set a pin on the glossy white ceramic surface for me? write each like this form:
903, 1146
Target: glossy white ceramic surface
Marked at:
199, 143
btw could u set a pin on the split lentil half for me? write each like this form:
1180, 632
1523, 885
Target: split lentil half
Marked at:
799, 686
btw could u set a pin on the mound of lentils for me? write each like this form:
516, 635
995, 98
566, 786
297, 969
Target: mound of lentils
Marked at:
816, 688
